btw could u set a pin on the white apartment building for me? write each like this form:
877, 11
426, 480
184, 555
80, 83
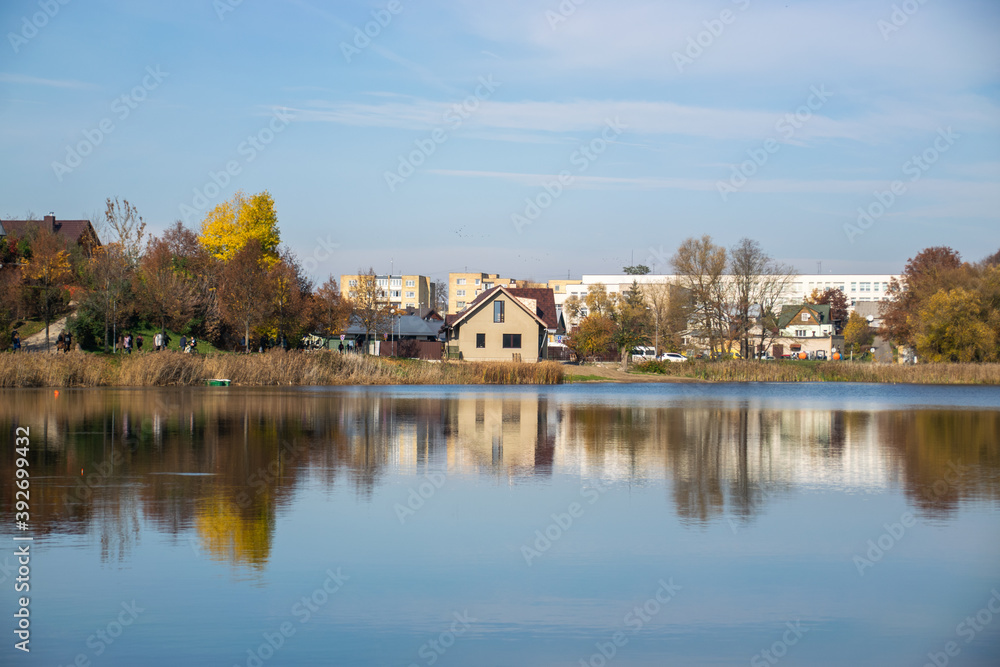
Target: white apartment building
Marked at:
858, 287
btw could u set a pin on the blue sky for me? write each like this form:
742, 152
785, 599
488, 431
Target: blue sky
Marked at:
665, 119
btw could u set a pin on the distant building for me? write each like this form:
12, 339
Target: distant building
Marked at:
805, 321
402, 291
464, 287
78, 232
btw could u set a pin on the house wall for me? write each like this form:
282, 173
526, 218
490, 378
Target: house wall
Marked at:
516, 322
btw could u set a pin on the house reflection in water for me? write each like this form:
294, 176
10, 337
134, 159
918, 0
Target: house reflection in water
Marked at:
224, 465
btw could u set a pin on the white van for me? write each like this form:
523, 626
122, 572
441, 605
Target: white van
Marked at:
644, 354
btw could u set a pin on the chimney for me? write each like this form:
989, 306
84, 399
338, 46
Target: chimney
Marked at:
50, 222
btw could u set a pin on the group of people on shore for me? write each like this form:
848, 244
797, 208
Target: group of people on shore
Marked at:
161, 342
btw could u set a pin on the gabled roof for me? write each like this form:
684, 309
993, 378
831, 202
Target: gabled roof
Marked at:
545, 304
71, 230
489, 295
820, 312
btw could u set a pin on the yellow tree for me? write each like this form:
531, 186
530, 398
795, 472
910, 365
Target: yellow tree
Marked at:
858, 333
230, 225
952, 327
47, 271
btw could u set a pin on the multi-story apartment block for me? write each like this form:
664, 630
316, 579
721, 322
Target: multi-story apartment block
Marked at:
402, 291
857, 287
464, 287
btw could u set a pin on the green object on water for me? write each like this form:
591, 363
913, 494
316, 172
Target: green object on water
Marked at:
217, 382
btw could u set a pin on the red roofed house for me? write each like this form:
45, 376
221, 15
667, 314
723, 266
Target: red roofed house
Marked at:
505, 324
80, 232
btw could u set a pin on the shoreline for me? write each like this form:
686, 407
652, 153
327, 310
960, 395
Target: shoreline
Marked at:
298, 368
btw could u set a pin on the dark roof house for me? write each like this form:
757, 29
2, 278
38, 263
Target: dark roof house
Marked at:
79, 232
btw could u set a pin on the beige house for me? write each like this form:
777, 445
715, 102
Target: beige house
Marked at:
401, 291
499, 327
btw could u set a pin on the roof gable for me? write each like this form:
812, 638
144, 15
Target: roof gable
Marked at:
488, 296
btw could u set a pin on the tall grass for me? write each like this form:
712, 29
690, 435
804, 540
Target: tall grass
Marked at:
272, 369
829, 371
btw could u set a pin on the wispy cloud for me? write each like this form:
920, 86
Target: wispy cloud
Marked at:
6, 77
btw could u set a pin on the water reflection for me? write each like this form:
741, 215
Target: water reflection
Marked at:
222, 464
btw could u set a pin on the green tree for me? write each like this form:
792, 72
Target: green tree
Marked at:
632, 323
636, 270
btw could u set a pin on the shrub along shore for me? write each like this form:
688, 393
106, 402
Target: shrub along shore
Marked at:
160, 369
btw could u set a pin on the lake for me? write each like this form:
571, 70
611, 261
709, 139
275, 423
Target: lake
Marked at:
653, 524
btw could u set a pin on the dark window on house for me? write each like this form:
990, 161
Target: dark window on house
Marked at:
480, 340
498, 311
512, 341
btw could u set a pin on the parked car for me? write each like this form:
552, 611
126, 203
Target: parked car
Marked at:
644, 354
673, 357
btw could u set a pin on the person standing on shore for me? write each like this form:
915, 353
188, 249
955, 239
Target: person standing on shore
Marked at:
15, 341
184, 341
68, 342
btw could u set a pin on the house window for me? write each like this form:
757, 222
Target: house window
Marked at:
481, 340
854, 287
352, 294
498, 314
512, 341
460, 281
800, 333
805, 317
460, 305
396, 282
352, 283
394, 294
410, 283
409, 295
460, 292
866, 287
478, 280
488, 285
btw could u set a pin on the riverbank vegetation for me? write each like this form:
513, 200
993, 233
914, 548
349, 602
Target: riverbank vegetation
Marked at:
275, 368
825, 371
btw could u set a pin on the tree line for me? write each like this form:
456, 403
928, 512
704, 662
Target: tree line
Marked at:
230, 282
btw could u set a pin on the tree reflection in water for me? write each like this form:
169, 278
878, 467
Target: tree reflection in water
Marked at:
223, 464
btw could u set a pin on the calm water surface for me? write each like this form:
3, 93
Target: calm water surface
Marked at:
580, 525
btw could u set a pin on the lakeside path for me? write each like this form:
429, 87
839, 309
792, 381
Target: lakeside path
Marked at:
611, 373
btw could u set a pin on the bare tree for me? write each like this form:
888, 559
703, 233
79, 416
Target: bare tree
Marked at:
699, 265
658, 299
245, 290
371, 304
126, 228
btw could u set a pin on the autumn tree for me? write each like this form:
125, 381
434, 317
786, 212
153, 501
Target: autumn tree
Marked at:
288, 302
953, 326
370, 304
232, 224
594, 336
836, 299
858, 333
329, 311
168, 297
931, 270
631, 319
245, 290
46, 274
699, 265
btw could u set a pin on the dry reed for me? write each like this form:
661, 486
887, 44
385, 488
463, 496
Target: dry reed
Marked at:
830, 371
272, 369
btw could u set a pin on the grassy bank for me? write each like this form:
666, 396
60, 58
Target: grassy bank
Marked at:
271, 369
825, 371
